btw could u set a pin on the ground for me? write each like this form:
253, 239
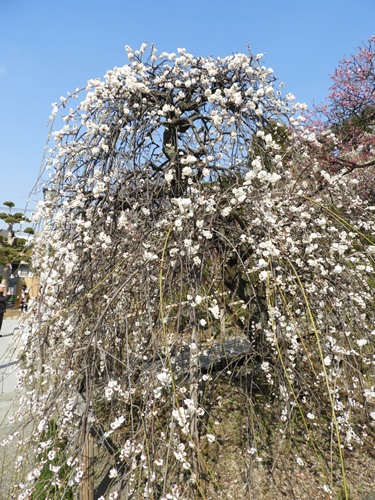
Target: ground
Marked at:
13, 313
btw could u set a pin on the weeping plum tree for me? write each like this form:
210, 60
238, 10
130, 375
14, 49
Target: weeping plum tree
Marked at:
186, 248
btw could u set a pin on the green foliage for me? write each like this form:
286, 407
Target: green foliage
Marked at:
16, 218
45, 487
8, 254
13, 249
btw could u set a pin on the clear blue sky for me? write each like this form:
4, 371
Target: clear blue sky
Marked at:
48, 48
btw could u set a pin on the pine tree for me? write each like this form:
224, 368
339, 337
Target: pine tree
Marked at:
13, 249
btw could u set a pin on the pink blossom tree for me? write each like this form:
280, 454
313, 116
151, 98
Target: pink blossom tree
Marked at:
345, 124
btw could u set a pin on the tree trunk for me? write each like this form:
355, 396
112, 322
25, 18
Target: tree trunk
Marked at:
7, 267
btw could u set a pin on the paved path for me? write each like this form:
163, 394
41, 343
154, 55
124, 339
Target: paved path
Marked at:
8, 382
8, 358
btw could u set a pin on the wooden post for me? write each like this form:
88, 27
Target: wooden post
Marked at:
87, 487
222, 324
194, 383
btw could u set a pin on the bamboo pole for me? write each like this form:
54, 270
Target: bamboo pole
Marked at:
87, 488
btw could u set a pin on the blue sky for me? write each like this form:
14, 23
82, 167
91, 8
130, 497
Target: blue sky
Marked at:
48, 48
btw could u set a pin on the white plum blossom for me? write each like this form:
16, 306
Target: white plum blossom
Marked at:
361, 342
207, 234
113, 473
327, 361
215, 311
187, 171
164, 378
117, 422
